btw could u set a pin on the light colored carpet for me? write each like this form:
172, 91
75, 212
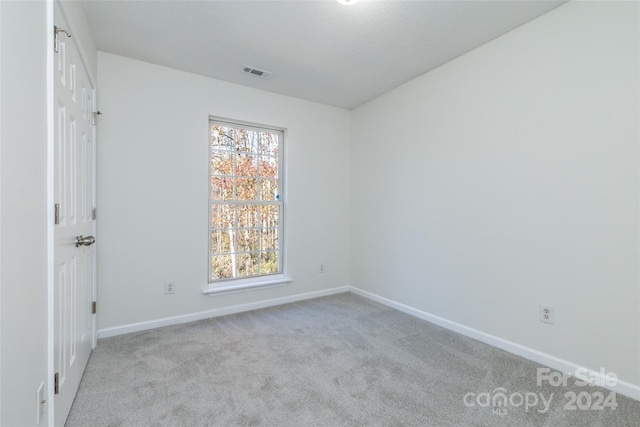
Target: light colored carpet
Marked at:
335, 361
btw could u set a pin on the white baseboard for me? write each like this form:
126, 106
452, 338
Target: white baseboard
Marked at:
216, 312
622, 387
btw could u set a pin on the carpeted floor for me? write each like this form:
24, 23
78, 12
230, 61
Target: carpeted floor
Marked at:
335, 361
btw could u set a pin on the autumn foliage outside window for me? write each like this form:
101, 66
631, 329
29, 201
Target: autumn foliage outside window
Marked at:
245, 201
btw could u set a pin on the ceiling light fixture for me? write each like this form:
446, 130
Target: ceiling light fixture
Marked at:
347, 2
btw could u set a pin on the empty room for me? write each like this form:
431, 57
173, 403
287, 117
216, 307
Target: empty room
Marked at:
319, 213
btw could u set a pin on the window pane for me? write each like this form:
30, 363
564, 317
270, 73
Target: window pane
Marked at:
223, 216
222, 267
269, 262
269, 143
269, 215
244, 201
268, 189
269, 239
222, 138
221, 242
247, 141
246, 165
247, 240
269, 167
246, 189
221, 188
222, 163
248, 216
247, 264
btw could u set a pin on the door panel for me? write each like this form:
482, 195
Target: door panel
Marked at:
74, 194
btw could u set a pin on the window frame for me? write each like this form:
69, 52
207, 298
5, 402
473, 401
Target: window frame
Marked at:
235, 284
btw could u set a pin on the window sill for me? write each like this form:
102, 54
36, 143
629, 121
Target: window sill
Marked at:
246, 286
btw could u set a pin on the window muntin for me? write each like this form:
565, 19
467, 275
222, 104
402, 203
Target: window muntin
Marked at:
245, 200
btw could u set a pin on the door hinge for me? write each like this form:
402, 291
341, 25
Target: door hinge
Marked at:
56, 383
94, 307
94, 213
95, 117
56, 42
56, 214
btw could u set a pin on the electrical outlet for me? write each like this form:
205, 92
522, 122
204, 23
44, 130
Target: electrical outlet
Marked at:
546, 313
322, 268
169, 288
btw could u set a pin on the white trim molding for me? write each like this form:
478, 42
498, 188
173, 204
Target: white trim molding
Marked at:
238, 287
216, 312
564, 366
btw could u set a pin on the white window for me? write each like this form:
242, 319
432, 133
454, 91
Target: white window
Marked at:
246, 203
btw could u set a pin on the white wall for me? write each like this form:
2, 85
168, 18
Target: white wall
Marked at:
23, 211
81, 31
153, 189
24, 31
507, 178
0, 212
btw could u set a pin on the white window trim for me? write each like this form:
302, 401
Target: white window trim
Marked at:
239, 285
228, 286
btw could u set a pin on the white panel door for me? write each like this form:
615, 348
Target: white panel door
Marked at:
74, 197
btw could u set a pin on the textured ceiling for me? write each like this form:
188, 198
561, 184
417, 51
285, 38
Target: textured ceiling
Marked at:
318, 50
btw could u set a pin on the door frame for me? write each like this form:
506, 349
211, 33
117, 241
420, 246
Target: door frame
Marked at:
50, 73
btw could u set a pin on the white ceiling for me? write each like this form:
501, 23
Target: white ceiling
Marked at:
318, 50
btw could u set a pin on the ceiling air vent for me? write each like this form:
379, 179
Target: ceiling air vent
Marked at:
263, 74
